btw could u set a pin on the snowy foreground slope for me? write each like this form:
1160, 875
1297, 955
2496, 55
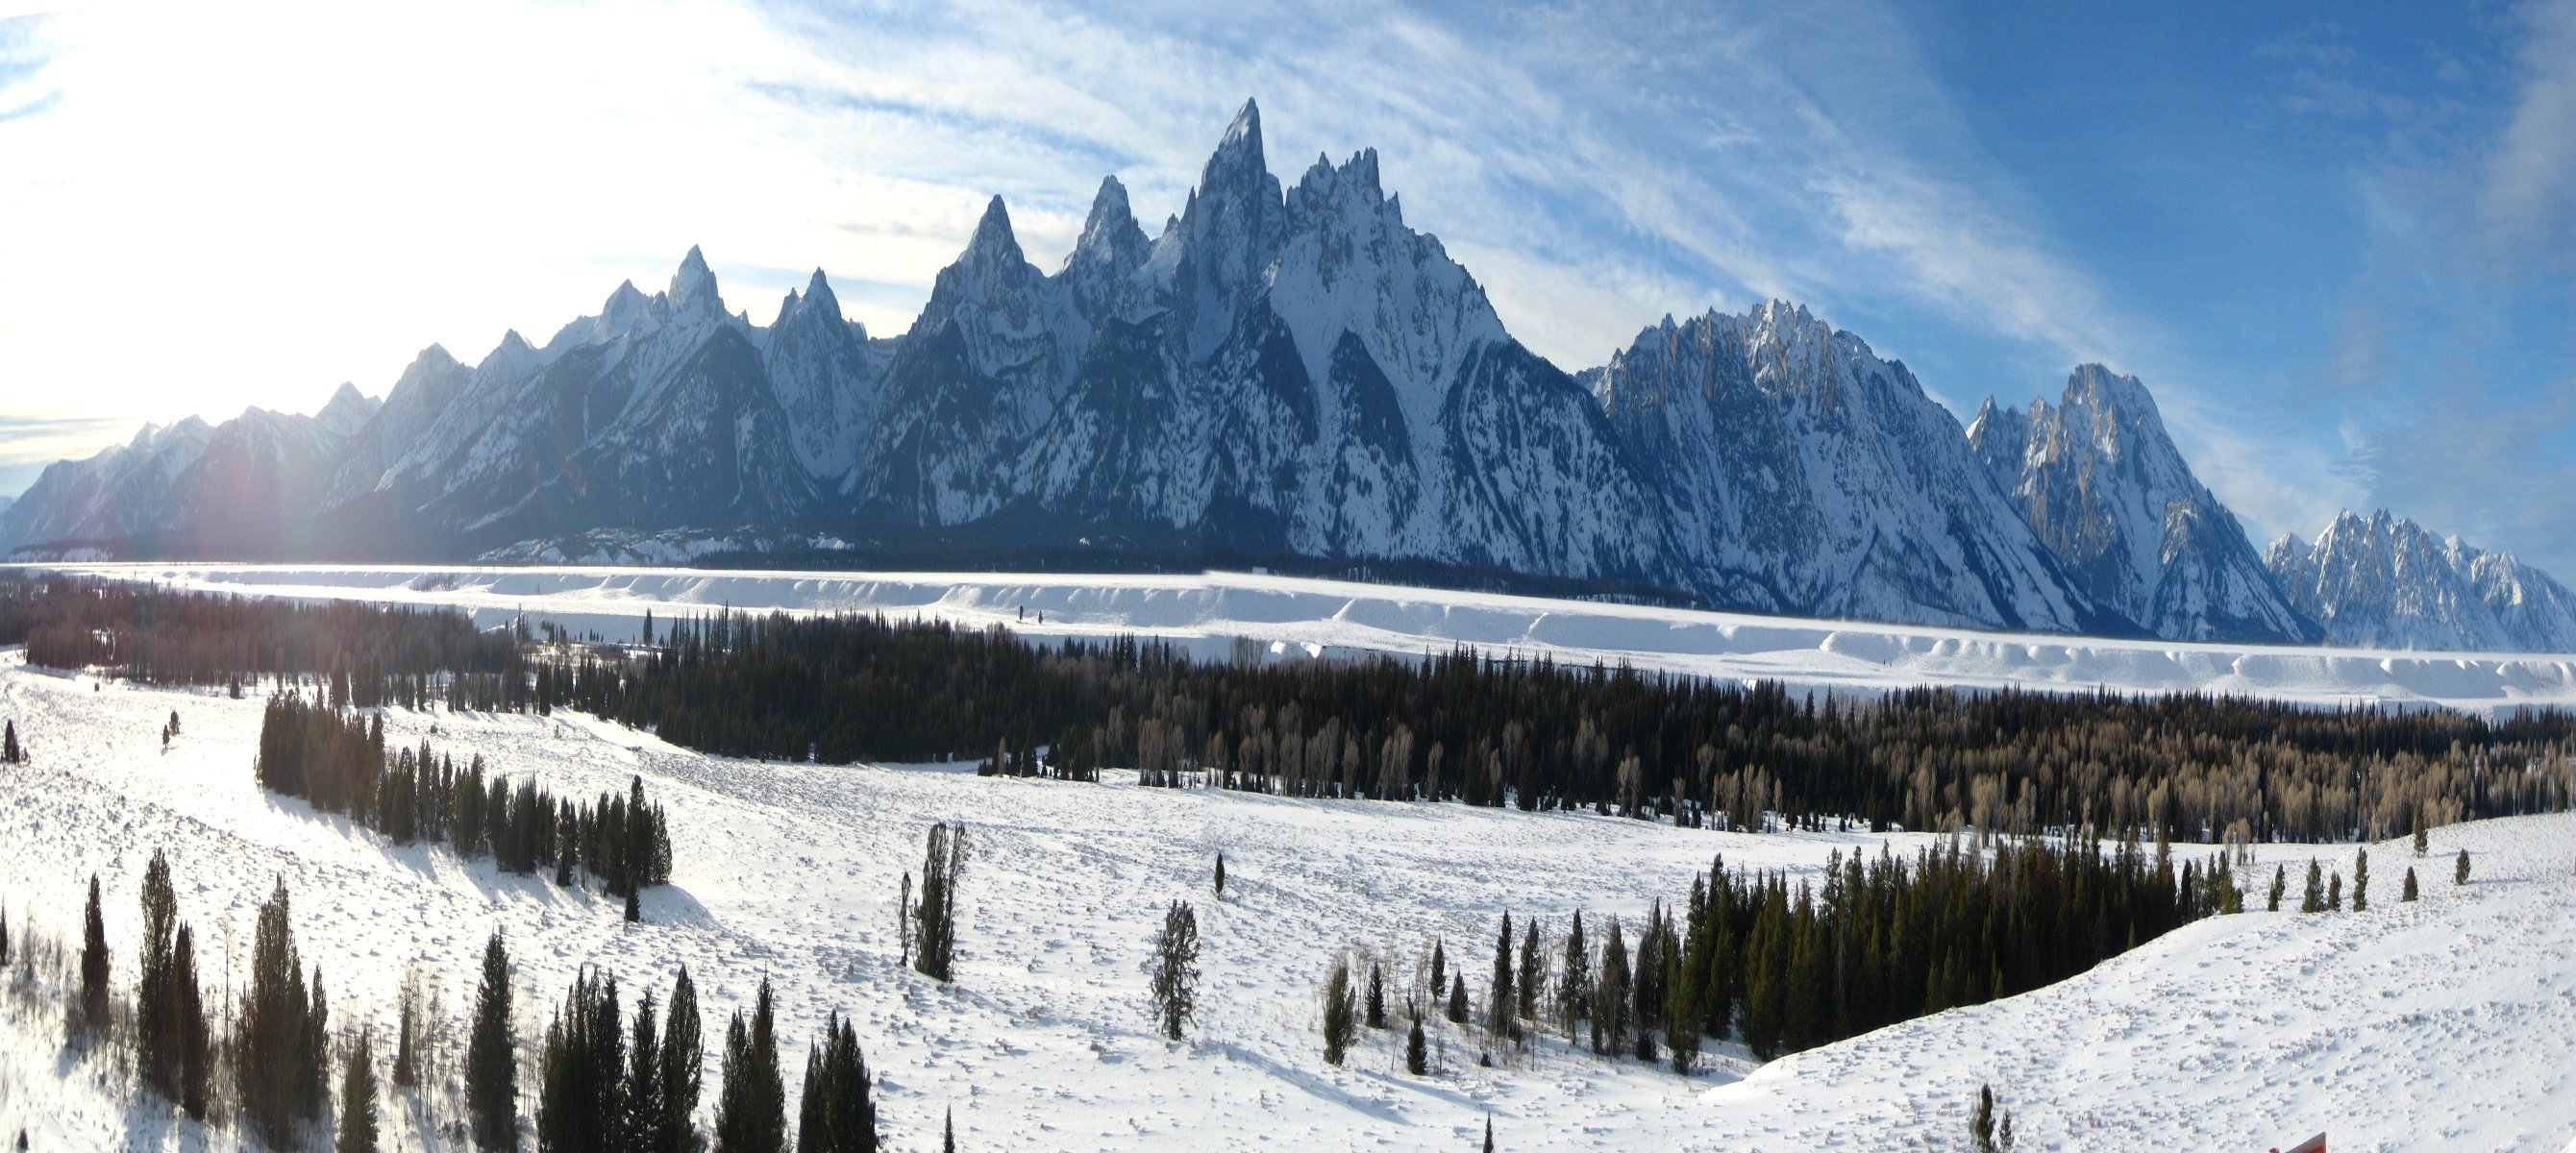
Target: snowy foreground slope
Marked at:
1302, 616
2450, 1023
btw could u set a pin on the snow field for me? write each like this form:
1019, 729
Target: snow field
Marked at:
2449, 1023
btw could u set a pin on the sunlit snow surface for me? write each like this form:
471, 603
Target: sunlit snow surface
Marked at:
1292, 616
2445, 1024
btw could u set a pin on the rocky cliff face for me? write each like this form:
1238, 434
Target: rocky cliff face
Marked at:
2100, 482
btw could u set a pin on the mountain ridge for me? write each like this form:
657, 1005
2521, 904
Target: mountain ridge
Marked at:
1284, 371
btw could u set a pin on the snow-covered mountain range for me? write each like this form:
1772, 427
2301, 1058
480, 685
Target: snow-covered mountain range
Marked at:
1280, 375
2386, 581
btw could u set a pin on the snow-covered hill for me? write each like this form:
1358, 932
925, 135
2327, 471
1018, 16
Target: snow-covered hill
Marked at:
2449, 1022
1294, 617
2386, 581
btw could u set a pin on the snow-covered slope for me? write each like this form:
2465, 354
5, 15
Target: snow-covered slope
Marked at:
2447, 1023
1298, 617
2098, 479
2387, 581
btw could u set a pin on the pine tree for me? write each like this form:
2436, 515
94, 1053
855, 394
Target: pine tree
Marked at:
189, 1032
1376, 996
1503, 1008
1341, 1012
1415, 1060
2280, 884
491, 1060
838, 1115
407, 1010
10, 751
1489, 1133
2334, 893
1439, 966
1574, 984
683, 1067
2409, 893
279, 1061
1457, 999
1220, 872
155, 1017
948, 1133
4, 938
2315, 900
904, 919
941, 872
1610, 997
581, 1072
1981, 1124
358, 1099
93, 966
2460, 871
640, 1092
634, 907
1533, 972
751, 1107
1176, 969
2361, 881
2423, 843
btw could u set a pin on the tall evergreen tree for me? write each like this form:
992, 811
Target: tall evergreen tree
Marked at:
1502, 1011
1533, 973
93, 966
683, 1068
2315, 900
277, 1057
358, 1099
1176, 969
1376, 1004
1341, 1012
751, 1108
838, 1114
2409, 893
2280, 884
1574, 980
1981, 1124
943, 867
189, 1032
2460, 871
1457, 999
641, 1095
948, 1133
1439, 967
2361, 881
1416, 1061
491, 1056
156, 1020
1610, 997
11, 751
581, 1081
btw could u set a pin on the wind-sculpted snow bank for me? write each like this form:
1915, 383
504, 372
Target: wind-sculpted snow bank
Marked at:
1294, 617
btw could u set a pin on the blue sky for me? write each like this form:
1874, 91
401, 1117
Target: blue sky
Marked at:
2335, 239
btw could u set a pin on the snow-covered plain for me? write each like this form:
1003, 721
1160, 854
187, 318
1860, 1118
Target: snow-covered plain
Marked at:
2450, 1023
1302, 616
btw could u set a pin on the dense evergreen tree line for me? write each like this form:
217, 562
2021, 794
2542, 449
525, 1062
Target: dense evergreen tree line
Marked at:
1462, 726
373, 655
339, 762
1491, 731
1785, 966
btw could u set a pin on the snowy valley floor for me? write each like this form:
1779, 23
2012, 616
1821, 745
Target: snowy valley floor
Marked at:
1294, 617
2450, 1023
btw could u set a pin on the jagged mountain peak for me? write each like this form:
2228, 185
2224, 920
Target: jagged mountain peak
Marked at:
346, 410
993, 246
2383, 579
693, 287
